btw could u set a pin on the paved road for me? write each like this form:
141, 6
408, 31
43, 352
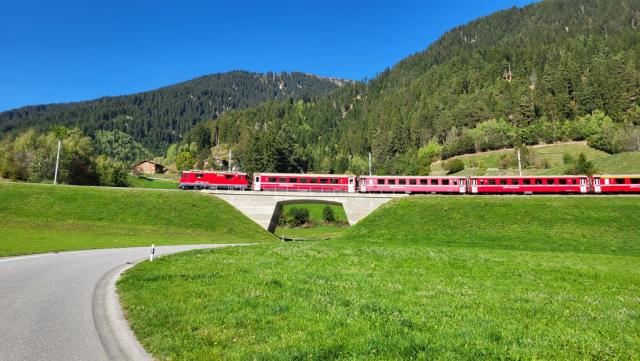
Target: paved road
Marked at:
51, 304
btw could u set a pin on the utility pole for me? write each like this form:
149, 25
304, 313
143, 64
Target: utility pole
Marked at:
369, 163
229, 160
519, 163
55, 174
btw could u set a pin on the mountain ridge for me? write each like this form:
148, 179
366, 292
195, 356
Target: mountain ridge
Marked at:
155, 124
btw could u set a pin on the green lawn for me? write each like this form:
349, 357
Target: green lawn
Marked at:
452, 278
318, 230
42, 218
143, 182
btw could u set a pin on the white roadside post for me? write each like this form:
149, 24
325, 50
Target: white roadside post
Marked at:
153, 251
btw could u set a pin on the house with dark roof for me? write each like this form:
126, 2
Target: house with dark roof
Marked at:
148, 167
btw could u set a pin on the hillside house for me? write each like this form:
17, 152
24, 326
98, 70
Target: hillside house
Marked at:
148, 167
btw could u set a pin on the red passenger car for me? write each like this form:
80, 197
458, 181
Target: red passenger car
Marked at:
204, 179
616, 183
412, 184
529, 185
304, 182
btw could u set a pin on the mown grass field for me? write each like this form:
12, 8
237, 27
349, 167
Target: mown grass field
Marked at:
318, 229
38, 218
447, 278
624, 163
143, 182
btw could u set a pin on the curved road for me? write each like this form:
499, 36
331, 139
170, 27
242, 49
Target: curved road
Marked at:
52, 306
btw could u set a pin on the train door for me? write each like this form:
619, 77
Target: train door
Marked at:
474, 185
256, 183
352, 185
363, 184
583, 185
596, 185
463, 185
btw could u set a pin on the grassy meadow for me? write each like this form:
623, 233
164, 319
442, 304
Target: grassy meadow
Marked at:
38, 218
155, 183
317, 229
623, 163
444, 277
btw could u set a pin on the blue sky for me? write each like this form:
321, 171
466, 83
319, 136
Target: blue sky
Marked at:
60, 51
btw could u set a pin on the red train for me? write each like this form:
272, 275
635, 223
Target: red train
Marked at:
411, 184
201, 179
529, 185
616, 183
304, 182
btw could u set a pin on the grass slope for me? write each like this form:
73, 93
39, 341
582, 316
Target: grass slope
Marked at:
143, 182
41, 218
624, 163
319, 230
453, 278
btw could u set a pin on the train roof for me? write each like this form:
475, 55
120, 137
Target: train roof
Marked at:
527, 176
413, 176
304, 175
213, 171
617, 175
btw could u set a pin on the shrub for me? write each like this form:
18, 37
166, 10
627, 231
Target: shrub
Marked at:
297, 216
327, 214
482, 170
454, 166
581, 166
111, 173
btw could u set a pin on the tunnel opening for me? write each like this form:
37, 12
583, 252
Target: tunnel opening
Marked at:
308, 220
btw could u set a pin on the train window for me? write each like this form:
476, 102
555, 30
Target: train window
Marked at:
492, 182
635, 180
526, 181
303, 180
562, 181
454, 182
229, 176
423, 182
445, 182
380, 181
503, 182
515, 181
257, 179
412, 181
199, 175
334, 181
402, 181
392, 181
272, 179
282, 180
313, 180
293, 180
538, 181
324, 180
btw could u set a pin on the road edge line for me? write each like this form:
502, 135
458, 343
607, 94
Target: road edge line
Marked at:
114, 331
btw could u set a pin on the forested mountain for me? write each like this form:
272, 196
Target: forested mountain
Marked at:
160, 117
554, 70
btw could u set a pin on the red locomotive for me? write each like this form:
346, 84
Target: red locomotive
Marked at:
202, 179
529, 184
412, 184
304, 182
